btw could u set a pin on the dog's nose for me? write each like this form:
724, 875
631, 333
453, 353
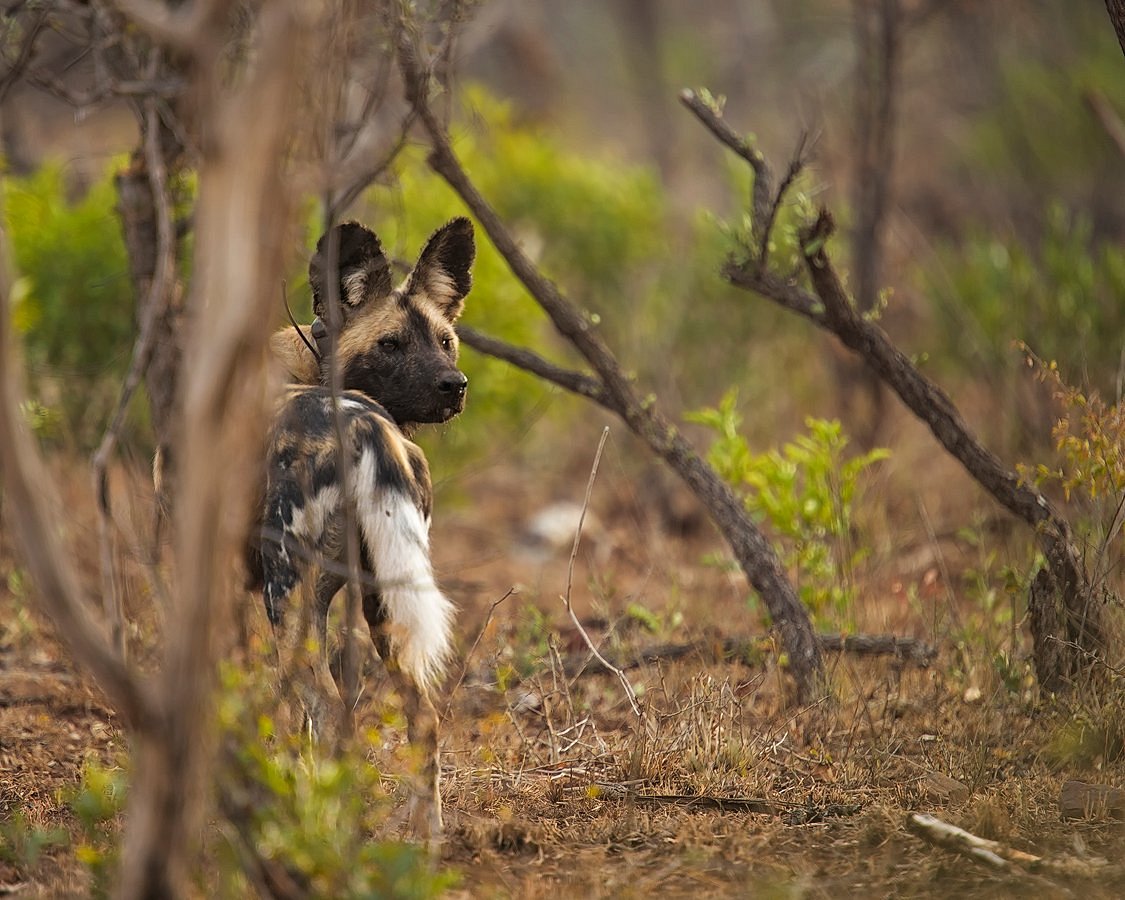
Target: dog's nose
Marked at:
454, 384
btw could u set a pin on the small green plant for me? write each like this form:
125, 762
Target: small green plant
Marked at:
317, 818
988, 628
22, 843
532, 645
1089, 439
806, 491
96, 804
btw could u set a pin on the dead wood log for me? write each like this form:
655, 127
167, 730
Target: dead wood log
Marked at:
1079, 800
614, 390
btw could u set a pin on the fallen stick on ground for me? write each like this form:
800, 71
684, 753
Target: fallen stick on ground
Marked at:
950, 837
1004, 858
790, 813
908, 650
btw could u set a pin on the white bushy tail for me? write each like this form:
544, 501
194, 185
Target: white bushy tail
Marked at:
396, 534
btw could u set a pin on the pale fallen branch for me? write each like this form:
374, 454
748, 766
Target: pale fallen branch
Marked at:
1002, 857
949, 837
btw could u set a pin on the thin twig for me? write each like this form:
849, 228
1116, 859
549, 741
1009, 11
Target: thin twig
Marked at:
19, 65
346, 197
528, 361
796, 165
629, 692
712, 118
352, 595
156, 305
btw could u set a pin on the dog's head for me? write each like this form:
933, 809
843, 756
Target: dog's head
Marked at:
397, 344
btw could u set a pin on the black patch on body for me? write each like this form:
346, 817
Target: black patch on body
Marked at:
303, 462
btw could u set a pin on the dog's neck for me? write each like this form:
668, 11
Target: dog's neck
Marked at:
293, 351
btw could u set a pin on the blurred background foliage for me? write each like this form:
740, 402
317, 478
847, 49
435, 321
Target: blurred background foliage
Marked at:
74, 304
1006, 224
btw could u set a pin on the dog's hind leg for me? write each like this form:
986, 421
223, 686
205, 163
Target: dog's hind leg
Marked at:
409, 617
302, 637
300, 621
424, 810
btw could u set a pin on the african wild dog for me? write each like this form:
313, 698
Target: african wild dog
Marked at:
397, 352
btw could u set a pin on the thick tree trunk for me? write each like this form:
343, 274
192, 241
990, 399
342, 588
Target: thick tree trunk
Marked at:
137, 210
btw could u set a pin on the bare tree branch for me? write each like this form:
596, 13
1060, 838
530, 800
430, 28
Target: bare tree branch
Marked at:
32, 510
712, 118
832, 309
1116, 10
755, 554
27, 50
521, 358
243, 215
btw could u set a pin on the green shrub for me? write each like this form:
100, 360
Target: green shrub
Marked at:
317, 818
74, 308
1062, 296
22, 843
806, 491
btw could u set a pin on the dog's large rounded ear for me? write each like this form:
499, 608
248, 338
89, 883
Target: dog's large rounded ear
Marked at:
363, 270
444, 272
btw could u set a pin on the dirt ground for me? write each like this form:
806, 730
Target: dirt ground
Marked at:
553, 788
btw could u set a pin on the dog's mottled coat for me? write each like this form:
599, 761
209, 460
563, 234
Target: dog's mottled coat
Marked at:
397, 352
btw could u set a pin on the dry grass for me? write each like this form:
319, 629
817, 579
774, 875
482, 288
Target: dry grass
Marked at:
552, 787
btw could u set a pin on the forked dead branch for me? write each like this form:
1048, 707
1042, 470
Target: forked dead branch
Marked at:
1063, 605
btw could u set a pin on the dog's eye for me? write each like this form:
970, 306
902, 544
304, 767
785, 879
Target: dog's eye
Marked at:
388, 344
447, 343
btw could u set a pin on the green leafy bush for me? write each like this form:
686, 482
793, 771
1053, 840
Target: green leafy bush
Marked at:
74, 307
1089, 471
315, 817
1062, 296
806, 491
